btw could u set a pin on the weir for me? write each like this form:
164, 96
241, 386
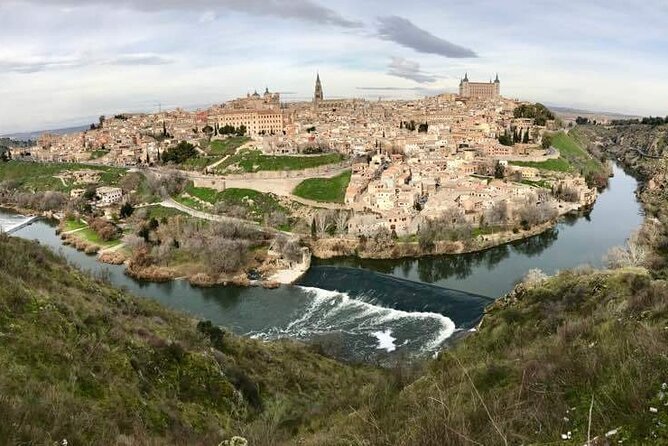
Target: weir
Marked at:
19, 226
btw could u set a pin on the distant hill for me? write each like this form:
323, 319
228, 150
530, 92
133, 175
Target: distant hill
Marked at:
572, 113
25, 136
9, 142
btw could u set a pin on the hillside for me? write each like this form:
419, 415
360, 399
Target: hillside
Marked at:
90, 364
582, 355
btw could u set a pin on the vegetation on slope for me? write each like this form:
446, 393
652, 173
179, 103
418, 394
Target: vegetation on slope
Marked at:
542, 358
240, 203
538, 112
324, 189
41, 176
90, 364
255, 161
573, 158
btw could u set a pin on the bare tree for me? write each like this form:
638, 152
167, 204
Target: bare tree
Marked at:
322, 221
342, 218
498, 214
634, 254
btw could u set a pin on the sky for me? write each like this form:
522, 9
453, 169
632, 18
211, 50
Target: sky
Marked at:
65, 62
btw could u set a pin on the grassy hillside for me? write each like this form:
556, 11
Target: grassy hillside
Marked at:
255, 161
42, 176
542, 358
324, 189
573, 158
579, 356
87, 363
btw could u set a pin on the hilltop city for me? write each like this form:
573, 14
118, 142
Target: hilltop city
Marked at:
473, 157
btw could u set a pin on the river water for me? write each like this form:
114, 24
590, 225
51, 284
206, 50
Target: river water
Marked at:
378, 311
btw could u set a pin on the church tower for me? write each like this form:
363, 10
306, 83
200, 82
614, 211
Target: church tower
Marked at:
318, 90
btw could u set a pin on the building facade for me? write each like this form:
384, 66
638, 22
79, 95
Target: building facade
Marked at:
257, 122
480, 90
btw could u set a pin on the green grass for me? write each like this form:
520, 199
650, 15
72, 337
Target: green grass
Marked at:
39, 177
568, 147
324, 189
199, 162
192, 203
92, 237
255, 161
256, 205
573, 158
540, 183
159, 212
91, 364
74, 224
557, 165
227, 146
216, 150
486, 230
530, 371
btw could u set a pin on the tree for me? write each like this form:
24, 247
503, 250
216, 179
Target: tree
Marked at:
497, 215
179, 154
506, 139
322, 219
499, 171
342, 218
538, 112
126, 210
547, 141
526, 137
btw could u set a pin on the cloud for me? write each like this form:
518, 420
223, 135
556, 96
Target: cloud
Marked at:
138, 59
306, 10
409, 69
37, 63
404, 32
390, 88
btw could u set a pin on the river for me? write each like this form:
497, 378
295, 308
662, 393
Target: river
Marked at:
379, 311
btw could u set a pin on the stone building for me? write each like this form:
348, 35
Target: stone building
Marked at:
257, 122
318, 96
480, 90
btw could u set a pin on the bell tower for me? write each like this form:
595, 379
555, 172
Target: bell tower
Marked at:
318, 97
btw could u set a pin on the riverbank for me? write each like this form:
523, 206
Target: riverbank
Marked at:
331, 248
340, 304
266, 271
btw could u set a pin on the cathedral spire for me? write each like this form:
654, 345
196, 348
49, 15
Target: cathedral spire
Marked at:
318, 90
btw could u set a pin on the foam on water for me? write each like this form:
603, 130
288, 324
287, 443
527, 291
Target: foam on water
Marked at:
378, 326
8, 222
385, 340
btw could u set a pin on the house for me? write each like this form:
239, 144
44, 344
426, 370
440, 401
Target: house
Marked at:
109, 195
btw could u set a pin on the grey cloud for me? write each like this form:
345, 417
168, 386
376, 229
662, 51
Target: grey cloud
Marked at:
35, 64
409, 69
307, 10
405, 33
139, 59
390, 88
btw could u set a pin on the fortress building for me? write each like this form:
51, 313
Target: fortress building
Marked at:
480, 90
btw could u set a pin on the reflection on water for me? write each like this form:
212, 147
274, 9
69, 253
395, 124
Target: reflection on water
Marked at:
378, 309
576, 240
